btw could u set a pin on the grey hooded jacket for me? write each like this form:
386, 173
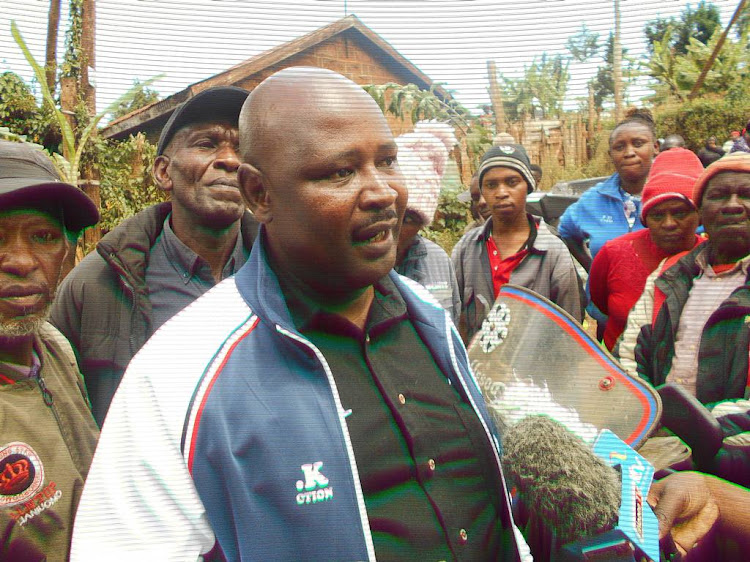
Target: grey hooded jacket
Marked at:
547, 270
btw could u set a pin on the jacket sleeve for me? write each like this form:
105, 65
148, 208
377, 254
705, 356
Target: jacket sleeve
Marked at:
732, 462
139, 502
456, 295
458, 267
598, 279
640, 315
733, 416
565, 284
65, 314
569, 228
643, 352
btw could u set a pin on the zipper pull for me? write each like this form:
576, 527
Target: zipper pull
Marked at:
46, 394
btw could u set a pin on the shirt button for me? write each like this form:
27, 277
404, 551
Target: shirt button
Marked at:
402, 398
367, 338
494, 252
463, 535
431, 464
495, 268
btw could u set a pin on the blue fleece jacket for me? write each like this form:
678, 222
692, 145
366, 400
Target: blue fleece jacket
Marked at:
598, 216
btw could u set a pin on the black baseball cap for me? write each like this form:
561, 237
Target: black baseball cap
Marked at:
28, 178
222, 103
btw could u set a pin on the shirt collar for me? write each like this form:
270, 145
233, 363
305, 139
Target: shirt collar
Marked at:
16, 372
486, 232
702, 260
186, 261
387, 306
414, 254
179, 254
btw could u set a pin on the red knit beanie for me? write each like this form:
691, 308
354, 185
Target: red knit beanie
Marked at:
735, 162
673, 174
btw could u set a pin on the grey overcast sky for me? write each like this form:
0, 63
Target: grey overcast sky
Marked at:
449, 40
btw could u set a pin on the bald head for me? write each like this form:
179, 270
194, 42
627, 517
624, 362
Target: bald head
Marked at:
283, 106
320, 173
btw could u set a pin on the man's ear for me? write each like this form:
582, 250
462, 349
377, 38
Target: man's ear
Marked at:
160, 171
254, 190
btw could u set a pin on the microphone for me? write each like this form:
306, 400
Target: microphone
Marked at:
559, 479
578, 494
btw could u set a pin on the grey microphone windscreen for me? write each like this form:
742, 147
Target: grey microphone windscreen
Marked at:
560, 480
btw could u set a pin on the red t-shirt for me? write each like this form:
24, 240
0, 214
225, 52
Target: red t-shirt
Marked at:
618, 276
502, 268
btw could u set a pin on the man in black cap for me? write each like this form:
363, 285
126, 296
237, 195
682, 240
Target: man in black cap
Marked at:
159, 261
47, 436
511, 247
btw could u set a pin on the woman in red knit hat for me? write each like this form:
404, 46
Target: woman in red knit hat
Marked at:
619, 271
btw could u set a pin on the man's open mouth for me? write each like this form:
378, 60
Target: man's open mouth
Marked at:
379, 237
373, 234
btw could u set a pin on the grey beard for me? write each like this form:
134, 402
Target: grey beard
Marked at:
26, 325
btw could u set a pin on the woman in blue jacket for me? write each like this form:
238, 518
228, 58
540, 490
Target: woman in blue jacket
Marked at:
611, 208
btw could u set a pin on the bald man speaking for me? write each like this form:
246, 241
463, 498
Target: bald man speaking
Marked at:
317, 405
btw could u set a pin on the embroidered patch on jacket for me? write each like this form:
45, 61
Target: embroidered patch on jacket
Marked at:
314, 488
25, 512
21, 473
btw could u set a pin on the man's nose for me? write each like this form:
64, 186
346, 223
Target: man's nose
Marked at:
380, 190
733, 205
502, 191
669, 221
16, 259
227, 158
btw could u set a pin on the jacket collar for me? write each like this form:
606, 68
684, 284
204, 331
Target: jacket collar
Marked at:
129, 244
541, 244
610, 187
259, 286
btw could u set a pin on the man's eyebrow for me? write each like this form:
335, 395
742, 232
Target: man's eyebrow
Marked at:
213, 129
346, 154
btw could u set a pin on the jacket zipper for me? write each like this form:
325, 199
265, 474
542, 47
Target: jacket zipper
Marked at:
46, 395
131, 337
50, 402
347, 441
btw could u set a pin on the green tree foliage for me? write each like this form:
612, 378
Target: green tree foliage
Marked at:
701, 118
20, 114
125, 168
420, 105
676, 73
743, 23
698, 24
541, 90
604, 83
73, 59
417, 104
142, 96
126, 183
583, 45
17, 102
74, 141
